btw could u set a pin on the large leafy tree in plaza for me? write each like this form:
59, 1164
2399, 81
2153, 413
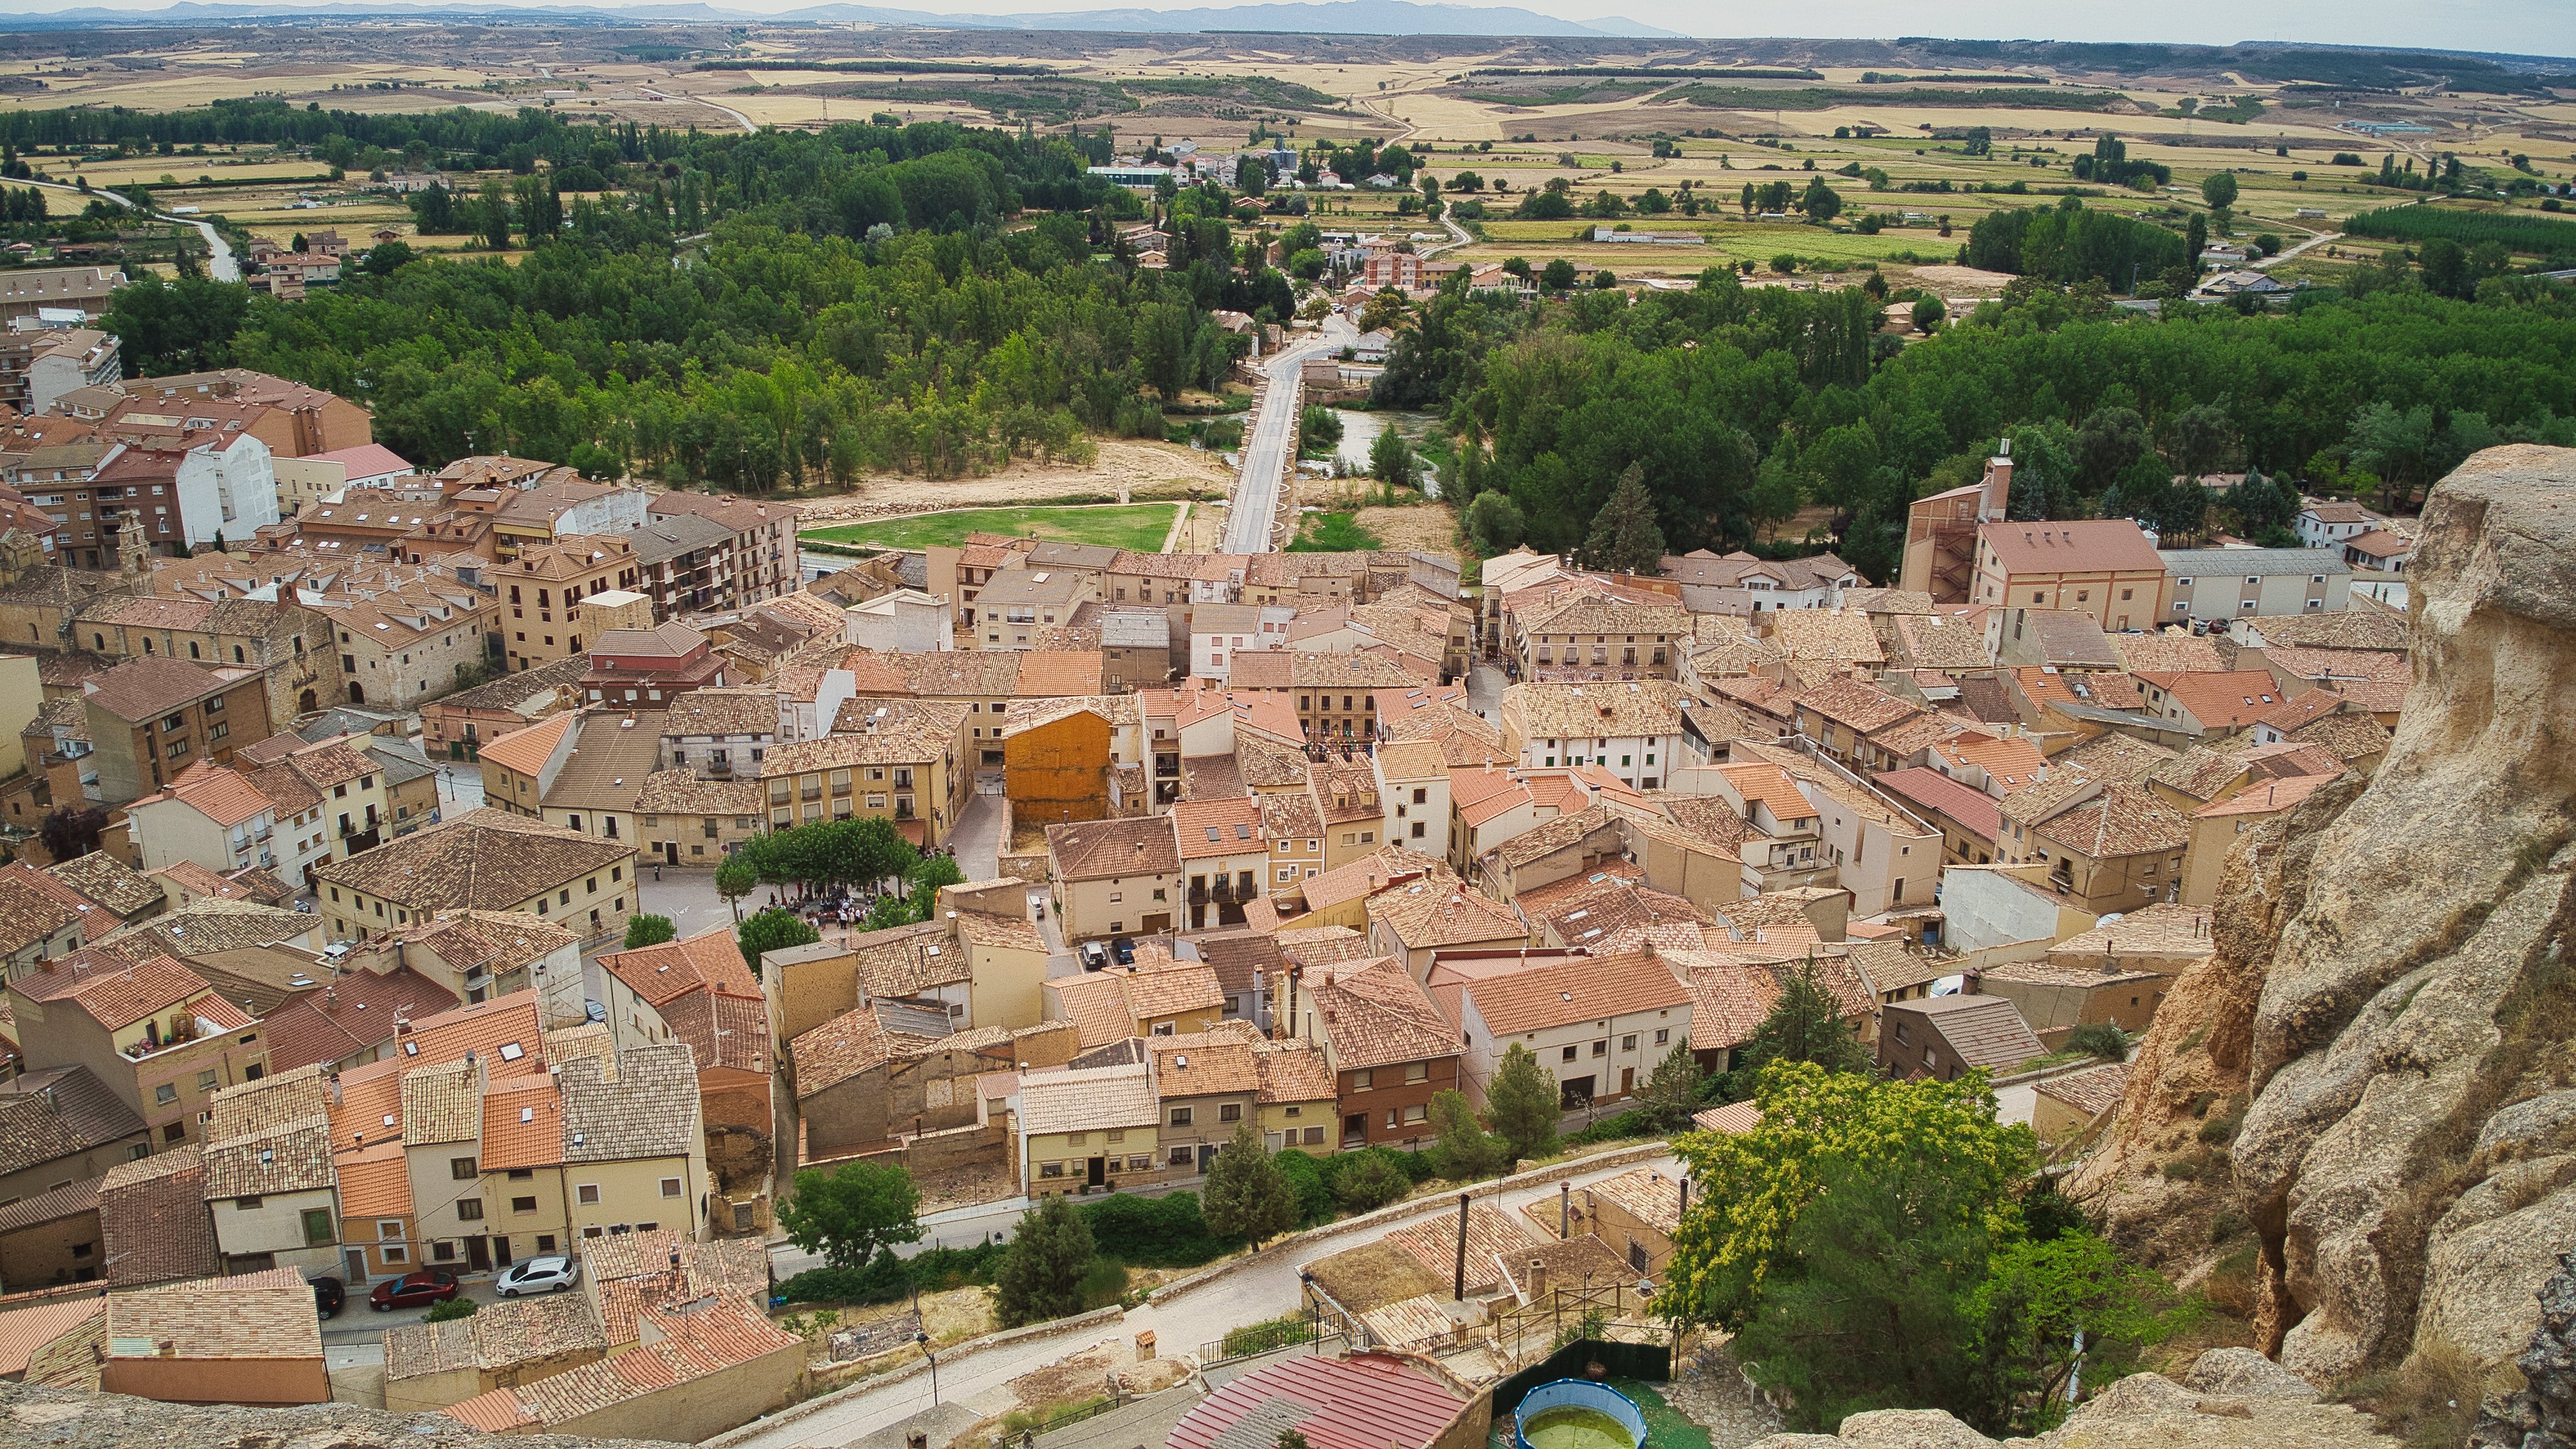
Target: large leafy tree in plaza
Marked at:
774, 930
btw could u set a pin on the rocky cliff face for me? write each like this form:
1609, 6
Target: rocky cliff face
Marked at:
2391, 995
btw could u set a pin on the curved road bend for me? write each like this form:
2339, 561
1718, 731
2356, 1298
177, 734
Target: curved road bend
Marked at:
222, 267
1270, 443
1249, 1295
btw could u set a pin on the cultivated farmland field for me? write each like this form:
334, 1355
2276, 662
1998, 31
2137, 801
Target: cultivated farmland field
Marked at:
1119, 525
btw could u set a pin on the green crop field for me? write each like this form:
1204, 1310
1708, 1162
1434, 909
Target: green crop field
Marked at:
1124, 525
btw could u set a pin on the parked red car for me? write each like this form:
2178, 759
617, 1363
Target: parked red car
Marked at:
412, 1290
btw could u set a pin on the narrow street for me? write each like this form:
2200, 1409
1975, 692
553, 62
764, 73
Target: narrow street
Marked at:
1249, 1295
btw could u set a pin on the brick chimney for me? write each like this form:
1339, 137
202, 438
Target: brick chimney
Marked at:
1998, 484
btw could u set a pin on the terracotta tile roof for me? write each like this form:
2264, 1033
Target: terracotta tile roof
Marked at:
155, 685
2161, 928
441, 1104
2125, 819
1974, 810
1375, 1014
844, 1047
1321, 945
681, 792
2264, 797
1292, 1072
1577, 821
266, 1315
500, 1335
2173, 650
119, 998
2221, 701
1598, 612
649, 1108
1559, 993
214, 925
2354, 628
1561, 711
58, 1112
1097, 1006
109, 883
293, 1157
1194, 1066
709, 961
1170, 991
1980, 1031
33, 908
1086, 1099
2099, 545
1106, 849
1494, 1239
1428, 914
487, 859
1213, 828
70, 1200
1371, 873
1857, 706
697, 1341
2092, 1092
1833, 635
374, 1182
1608, 906
1734, 1117
523, 1122
1940, 641
503, 1030
26, 1331
153, 1224
1371, 1402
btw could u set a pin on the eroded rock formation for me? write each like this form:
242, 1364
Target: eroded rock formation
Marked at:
2391, 985
2142, 1411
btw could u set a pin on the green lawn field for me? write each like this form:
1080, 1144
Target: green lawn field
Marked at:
1122, 525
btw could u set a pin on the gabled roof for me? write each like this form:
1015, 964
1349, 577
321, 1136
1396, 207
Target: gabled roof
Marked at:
1106, 849
486, 859
1560, 993
1983, 1031
1375, 1014
2094, 545
58, 1112
1429, 913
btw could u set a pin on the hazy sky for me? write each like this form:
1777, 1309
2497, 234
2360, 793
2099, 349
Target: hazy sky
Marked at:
2530, 27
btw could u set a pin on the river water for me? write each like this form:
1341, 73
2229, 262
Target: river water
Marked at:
1360, 433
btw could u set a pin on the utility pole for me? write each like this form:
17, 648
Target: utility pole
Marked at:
1564, 1209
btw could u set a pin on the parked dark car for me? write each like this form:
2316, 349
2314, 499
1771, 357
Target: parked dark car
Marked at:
1124, 948
413, 1289
329, 1295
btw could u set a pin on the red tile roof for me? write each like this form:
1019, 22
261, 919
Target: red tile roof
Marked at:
1366, 1402
1976, 811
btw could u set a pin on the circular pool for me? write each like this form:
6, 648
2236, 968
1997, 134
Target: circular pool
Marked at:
1578, 1414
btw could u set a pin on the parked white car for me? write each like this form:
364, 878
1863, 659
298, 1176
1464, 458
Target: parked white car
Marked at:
551, 1274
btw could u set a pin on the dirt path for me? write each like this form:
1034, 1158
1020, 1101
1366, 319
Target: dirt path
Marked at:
1125, 467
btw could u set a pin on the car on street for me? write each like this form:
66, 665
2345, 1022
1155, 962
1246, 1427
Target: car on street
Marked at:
550, 1274
411, 1290
329, 1296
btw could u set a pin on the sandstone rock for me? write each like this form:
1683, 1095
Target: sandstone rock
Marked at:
2241, 1373
1911, 1429
2542, 1413
2135, 1395
1797, 1441
2402, 939
2146, 1411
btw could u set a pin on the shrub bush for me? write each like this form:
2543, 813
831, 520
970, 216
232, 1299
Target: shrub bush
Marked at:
1153, 1232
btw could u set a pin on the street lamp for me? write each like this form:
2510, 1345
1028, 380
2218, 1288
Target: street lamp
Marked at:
924, 1340
1314, 1311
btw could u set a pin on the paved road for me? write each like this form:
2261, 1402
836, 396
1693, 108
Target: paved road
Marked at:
1270, 445
1250, 1295
222, 266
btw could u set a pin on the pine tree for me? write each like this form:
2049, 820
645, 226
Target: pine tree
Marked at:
1466, 1151
1040, 1275
1805, 1025
1522, 1103
1625, 537
1246, 1195
1671, 1093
